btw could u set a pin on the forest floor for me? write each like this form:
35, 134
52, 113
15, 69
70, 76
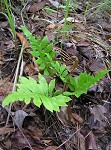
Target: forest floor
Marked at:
88, 38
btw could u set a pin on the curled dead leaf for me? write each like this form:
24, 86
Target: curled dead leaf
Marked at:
23, 40
77, 118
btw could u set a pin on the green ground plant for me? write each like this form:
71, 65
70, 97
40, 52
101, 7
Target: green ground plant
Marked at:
66, 26
87, 6
49, 10
42, 92
103, 5
83, 82
40, 50
9, 16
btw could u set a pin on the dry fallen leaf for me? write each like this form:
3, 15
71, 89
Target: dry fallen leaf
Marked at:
79, 25
108, 36
6, 130
36, 131
9, 44
77, 118
98, 112
81, 139
91, 142
97, 65
62, 116
5, 86
23, 40
3, 24
19, 118
31, 69
18, 140
37, 6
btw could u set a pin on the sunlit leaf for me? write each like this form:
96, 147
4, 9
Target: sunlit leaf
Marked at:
83, 82
51, 86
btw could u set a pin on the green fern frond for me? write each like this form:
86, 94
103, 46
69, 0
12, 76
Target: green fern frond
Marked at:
83, 82
60, 68
39, 50
39, 92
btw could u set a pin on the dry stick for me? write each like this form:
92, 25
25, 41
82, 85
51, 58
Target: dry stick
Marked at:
25, 138
68, 138
22, 12
21, 67
14, 87
15, 81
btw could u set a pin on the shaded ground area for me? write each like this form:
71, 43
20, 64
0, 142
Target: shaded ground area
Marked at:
89, 126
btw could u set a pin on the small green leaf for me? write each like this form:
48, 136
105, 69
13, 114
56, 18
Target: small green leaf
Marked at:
52, 71
55, 104
58, 92
10, 99
72, 84
39, 90
61, 100
51, 86
46, 72
52, 54
36, 100
62, 68
35, 54
66, 28
100, 74
35, 44
48, 48
68, 93
47, 103
57, 66
49, 57
26, 32
44, 84
64, 74
39, 61
42, 66
44, 42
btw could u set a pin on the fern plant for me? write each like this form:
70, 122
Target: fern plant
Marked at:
40, 49
60, 69
83, 82
43, 93
39, 92
44, 54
